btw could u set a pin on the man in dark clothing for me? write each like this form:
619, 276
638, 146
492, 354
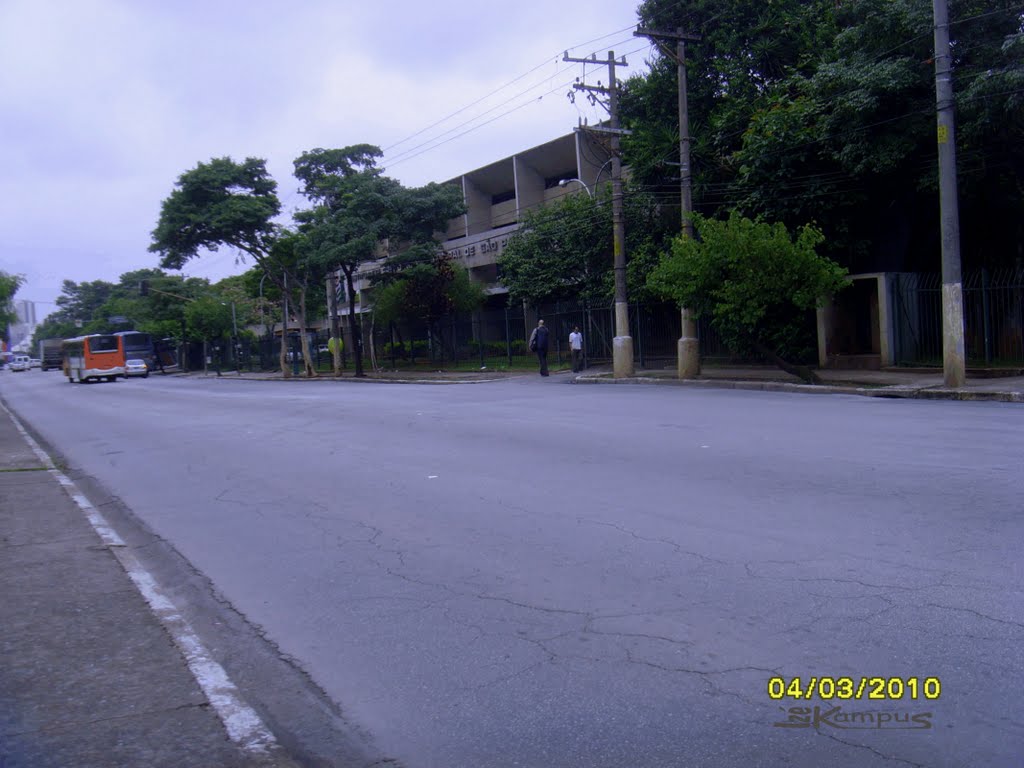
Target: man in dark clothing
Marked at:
539, 344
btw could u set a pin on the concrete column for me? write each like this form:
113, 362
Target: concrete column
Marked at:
529, 187
478, 204
688, 359
622, 346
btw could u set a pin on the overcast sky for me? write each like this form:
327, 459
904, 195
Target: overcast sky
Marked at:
103, 104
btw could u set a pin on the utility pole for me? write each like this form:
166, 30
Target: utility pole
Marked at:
688, 346
622, 343
953, 365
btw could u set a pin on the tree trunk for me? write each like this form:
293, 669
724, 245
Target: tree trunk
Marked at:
353, 326
802, 372
373, 346
335, 326
285, 370
307, 359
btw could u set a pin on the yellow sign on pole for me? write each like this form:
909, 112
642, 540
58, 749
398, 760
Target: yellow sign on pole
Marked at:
943, 134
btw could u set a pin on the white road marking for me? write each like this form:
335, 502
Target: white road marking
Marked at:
243, 724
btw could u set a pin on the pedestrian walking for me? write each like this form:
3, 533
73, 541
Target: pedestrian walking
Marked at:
576, 347
539, 344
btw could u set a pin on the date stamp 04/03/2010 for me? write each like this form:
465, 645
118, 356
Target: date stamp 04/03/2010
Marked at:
835, 691
854, 689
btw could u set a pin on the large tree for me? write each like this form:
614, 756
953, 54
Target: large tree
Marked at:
825, 111
746, 48
361, 215
218, 204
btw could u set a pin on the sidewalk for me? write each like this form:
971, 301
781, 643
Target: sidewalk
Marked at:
88, 676
382, 376
925, 384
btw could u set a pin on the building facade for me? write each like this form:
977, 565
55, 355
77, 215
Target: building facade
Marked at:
496, 197
21, 332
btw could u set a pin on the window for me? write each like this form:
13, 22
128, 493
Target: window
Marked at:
103, 344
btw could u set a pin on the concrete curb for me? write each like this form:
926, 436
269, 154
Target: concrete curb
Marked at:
896, 391
347, 379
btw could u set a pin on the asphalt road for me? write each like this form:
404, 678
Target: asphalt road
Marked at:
529, 573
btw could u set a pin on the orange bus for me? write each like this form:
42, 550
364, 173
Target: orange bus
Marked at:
94, 357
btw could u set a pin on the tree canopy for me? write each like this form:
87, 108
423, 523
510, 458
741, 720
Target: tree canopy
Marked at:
218, 203
565, 248
426, 291
823, 111
9, 285
360, 215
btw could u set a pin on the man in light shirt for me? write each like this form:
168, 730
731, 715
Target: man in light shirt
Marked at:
576, 345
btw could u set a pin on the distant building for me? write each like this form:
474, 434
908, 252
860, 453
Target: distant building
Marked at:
26, 311
20, 333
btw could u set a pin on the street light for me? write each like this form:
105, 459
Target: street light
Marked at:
566, 182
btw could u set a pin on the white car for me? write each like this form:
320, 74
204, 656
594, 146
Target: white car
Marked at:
20, 363
35, 362
136, 368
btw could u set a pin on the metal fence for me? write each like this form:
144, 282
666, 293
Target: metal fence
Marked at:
993, 317
498, 336
494, 338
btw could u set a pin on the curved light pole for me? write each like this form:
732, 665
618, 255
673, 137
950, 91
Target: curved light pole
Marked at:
566, 182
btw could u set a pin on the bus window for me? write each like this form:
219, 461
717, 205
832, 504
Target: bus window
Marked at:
102, 344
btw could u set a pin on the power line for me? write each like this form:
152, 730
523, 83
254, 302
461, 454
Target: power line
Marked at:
429, 145
555, 58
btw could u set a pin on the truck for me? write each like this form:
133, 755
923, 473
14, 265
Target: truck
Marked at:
50, 354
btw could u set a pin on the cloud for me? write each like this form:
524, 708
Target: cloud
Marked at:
106, 102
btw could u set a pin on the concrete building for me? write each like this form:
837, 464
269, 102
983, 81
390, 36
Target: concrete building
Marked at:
496, 197
21, 332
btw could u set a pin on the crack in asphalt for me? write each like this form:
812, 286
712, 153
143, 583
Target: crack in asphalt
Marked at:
872, 750
565, 611
979, 614
836, 580
668, 542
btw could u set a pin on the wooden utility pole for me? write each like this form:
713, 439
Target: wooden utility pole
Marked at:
688, 346
622, 344
953, 356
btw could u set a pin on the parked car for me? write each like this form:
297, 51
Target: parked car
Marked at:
20, 363
35, 362
136, 367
